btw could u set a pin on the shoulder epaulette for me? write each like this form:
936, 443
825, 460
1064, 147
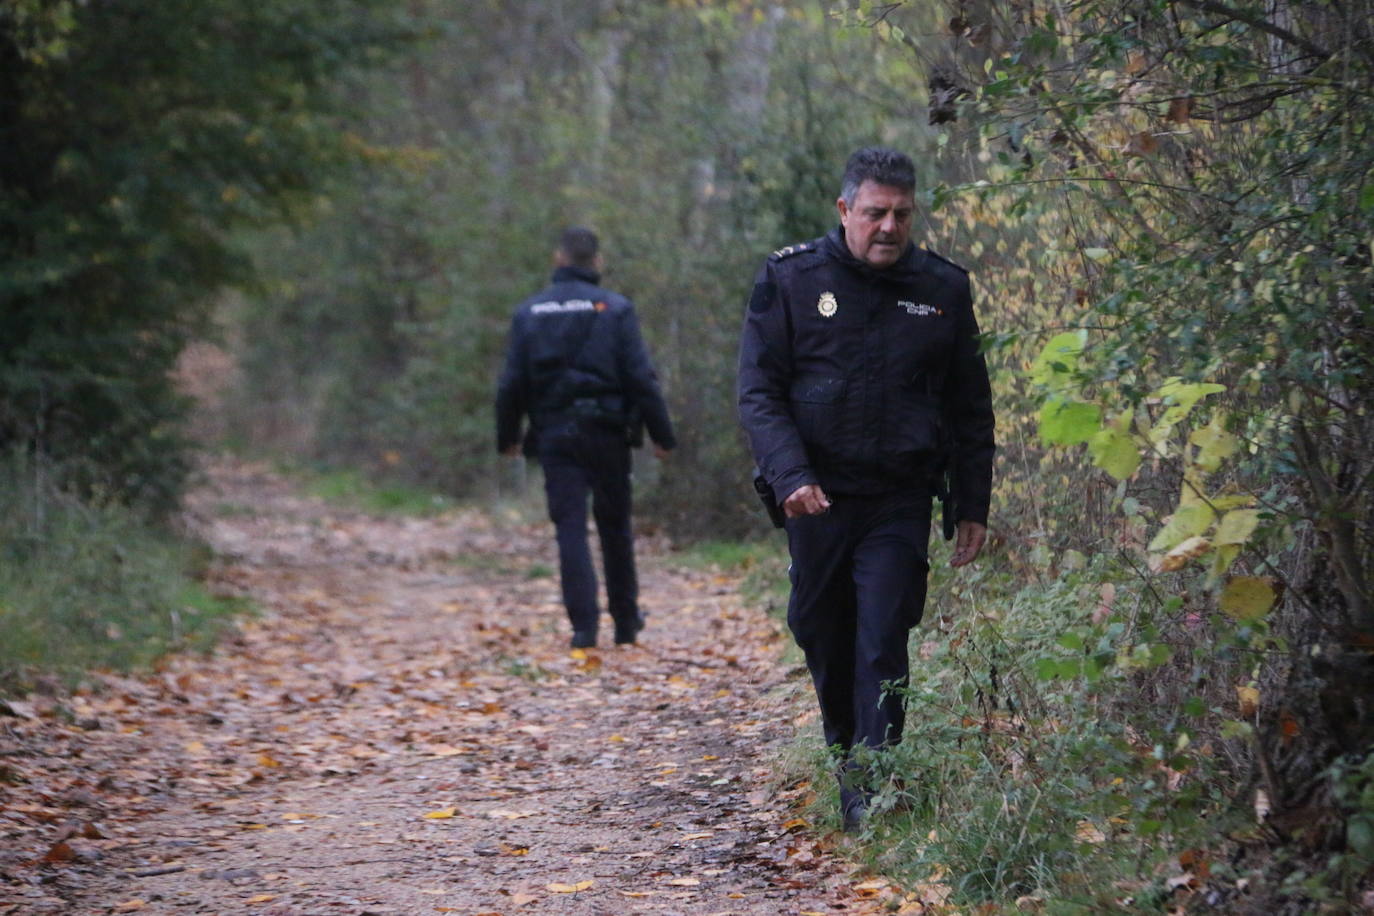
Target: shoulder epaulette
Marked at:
940, 257
791, 250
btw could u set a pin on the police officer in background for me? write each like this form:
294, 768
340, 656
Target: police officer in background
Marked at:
577, 366
860, 387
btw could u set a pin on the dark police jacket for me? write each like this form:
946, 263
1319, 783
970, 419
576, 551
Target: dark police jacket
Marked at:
575, 352
863, 380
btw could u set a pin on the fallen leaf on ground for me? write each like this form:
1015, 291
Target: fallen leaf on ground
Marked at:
60, 852
1088, 832
684, 882
569, 888
128, 906
441, 814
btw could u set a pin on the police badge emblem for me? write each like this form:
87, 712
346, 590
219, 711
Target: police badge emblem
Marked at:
827, 305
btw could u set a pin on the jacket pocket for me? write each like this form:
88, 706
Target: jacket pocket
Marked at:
816, 406
916, 430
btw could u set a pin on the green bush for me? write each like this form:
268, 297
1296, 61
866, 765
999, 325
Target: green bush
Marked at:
1036, 761
89, 584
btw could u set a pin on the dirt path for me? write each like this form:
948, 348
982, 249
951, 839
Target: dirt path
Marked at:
403, 730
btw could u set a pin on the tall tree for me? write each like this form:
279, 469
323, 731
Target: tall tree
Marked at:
133, 137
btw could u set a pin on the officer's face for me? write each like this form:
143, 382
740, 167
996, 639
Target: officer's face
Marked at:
878, 226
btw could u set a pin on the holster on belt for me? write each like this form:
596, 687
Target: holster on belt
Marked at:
770, 504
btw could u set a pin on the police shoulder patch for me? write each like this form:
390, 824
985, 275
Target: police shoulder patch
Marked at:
939, 257
790, 250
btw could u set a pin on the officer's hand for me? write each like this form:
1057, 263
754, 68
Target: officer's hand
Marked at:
511, 451
660, 452
806, 500
969, 543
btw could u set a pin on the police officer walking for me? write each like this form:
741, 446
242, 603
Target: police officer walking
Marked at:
861, 387
576, 365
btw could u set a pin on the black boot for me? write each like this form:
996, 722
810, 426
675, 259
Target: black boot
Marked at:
853, 809
855, 793
626, 633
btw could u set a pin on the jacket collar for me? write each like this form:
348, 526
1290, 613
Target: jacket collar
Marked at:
571, 272
907, 265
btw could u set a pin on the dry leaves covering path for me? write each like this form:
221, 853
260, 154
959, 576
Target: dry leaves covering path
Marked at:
403, 730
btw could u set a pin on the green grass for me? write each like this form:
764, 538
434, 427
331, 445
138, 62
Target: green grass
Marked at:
357, 491
86, 586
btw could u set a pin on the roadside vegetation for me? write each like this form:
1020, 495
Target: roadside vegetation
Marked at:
88, 584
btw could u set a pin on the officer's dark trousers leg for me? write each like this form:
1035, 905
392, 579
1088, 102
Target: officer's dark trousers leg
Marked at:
566, 485
858, 586
609, 468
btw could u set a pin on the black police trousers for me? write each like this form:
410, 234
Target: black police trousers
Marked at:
581, 458
858, 587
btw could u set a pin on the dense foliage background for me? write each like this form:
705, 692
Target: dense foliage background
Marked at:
1168, 207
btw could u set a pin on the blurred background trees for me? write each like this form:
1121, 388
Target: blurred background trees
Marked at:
694, 137
134, 138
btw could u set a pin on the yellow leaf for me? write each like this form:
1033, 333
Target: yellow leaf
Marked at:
683, 882
1187, 522
1237, 526
195, 747
1247, 598
1088, 832
1248, 698
579, 654
261, 898
1178, 557
569, 888
699, 836
441, 814
296, 816
636, 893
616, 738
267, 760
128, 906
795, 823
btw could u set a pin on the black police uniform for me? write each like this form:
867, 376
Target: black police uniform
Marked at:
863, 381
577, 366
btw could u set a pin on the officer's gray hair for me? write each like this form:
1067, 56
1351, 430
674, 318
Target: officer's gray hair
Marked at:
879, 165
579, 245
